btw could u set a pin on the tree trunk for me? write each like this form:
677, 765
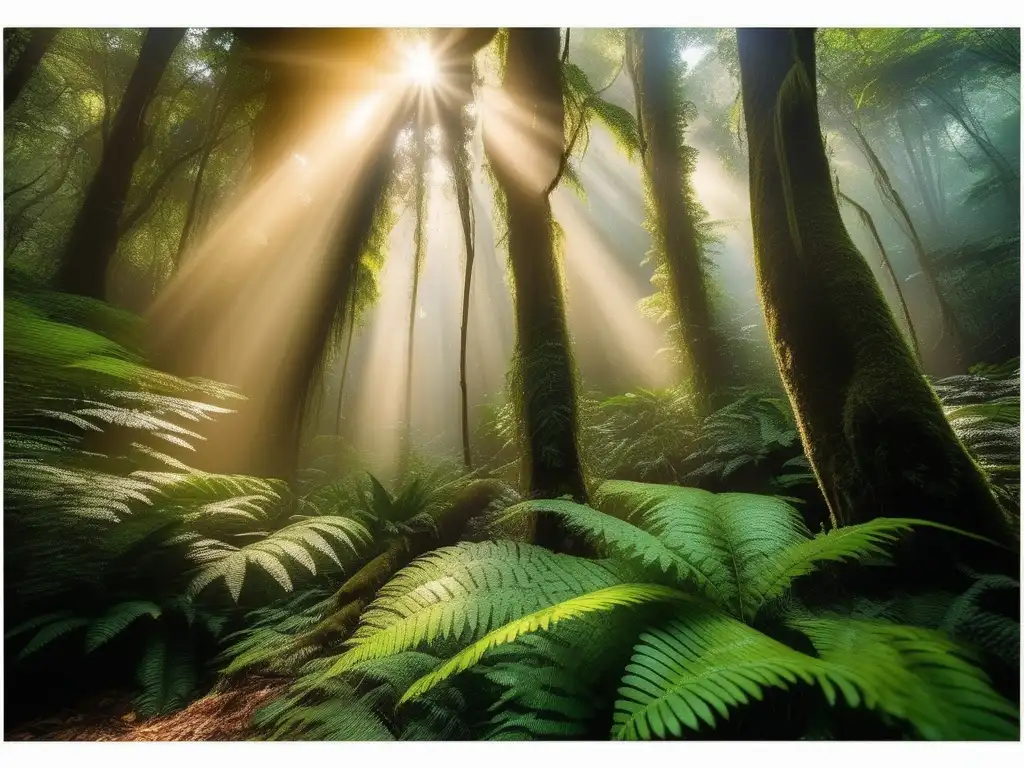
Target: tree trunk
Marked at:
952, 331
456, 69
348, 344
920, 170
869, 222
872, 428
656, 78
94, 235
418, 252
218, 116
39, 41
543, 375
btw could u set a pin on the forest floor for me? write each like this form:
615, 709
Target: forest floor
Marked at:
222, 716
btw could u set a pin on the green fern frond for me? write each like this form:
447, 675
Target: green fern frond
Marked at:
308, 535
463, 592
699, 666
602, 600
51, 632
727, 537
168, 678
612, 537
116, 620
913, 674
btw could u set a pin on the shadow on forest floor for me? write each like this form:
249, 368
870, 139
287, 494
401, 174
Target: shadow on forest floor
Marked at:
217, 717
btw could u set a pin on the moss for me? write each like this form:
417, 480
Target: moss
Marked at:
871, 425
543, 377
678, 220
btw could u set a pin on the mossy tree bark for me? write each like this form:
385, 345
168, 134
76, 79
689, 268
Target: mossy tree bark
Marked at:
873, 429
93, 240
656, 79
544, 377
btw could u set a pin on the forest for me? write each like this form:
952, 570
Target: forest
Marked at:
511, 384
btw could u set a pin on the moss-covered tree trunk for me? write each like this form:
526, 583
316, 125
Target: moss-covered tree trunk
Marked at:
873, 429
656, 79
543, 373
94, 235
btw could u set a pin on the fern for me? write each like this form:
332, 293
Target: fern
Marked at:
703, 664
914, 674
116, 620
167, 675
296, 541
727, 538
601, 600
462, 592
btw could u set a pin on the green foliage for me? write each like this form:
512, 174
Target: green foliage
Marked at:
101, 516
462, 592
550, 631
704, 663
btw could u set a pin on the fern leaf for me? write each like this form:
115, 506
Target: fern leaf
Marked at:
116, 620
51, 632
727, 537
914, 674
463, 592
601, 600
697, 667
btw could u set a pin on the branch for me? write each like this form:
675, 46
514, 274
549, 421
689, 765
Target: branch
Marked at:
130, 221
564, 161
565, 49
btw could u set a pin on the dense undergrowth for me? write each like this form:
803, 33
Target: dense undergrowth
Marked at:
706, 594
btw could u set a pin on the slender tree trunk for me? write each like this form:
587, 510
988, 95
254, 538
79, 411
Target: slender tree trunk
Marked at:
348, 345
872, 428
543, 375
951, 328
39, 41
419, 251
656, 78
919, 172
94, 235
455, 62
869, 222
1003, 169
218, 116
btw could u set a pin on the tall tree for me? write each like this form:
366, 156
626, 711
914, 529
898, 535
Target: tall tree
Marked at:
454, 50
419, 247
871, 426
94, 235
655, 68
543, 375
25, 65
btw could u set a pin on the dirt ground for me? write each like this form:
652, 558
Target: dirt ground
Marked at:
217, 717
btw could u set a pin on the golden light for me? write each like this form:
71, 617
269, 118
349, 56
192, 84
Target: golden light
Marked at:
420, 66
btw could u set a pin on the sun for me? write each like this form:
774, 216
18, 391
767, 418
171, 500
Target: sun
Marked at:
420, 66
